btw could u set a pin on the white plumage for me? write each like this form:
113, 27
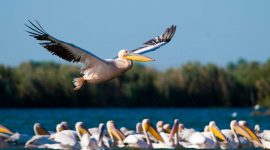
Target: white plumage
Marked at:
97, 70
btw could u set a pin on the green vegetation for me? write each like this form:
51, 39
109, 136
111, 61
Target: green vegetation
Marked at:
47, 84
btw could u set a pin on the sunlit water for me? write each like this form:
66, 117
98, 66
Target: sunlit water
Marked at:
22, 120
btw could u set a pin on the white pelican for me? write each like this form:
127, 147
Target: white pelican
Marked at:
236, 136
209, 138
204, 140
159, 126
67, 138
136, 140
184, 133
265, 134
126, 131
40, 130
62, 126
88, 141
21, 139
40, 139
98, 134
216, 135
4, 134
62, 139
167, 128
254, 138
97, 70
148, 128
116, 136
139, 128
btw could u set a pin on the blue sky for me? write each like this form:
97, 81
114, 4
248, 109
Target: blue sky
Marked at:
208, 31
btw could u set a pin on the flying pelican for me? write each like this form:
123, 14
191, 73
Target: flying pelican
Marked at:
97, 70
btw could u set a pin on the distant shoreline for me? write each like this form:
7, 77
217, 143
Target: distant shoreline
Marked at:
49, 85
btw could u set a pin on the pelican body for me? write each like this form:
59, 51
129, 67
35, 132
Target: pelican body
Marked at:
97, 70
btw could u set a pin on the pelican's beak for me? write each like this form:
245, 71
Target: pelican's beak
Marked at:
114, 132
40, 130
101, 131
5, 130
239, 130
215, 130
167, 128
147, 127
174, 129
245, 126
81, 130
137, 57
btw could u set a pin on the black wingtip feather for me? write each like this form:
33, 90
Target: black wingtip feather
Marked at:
42, 32
54, 46
41, 27
165, 37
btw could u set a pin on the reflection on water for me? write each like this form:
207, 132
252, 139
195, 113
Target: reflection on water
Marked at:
22, 120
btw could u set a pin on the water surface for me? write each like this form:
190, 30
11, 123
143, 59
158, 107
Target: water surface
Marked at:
22, 120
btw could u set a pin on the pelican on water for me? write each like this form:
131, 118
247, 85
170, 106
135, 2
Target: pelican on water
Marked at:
97, 70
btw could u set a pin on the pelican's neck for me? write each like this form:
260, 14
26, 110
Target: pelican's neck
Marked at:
124, 64
236, 139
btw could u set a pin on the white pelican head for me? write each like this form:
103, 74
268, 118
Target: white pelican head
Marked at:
148, 128
81, 129
257, 129
129, 55
114, 132
139, 128
216, 132
62, 126
159, 126
40, 130
167, 128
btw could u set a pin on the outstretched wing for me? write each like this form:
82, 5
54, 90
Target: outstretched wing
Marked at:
157, 41
66, 51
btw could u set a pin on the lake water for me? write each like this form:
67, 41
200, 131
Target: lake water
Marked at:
22, 120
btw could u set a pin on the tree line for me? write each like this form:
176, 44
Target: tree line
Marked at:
48, 84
